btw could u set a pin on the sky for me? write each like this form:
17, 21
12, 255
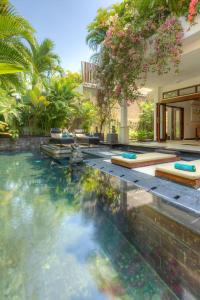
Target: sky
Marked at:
65, 22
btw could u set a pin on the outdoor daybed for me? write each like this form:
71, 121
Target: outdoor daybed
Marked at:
184, 177
143, 160
87, 139
62, 140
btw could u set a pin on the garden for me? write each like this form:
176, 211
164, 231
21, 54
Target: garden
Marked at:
36, 94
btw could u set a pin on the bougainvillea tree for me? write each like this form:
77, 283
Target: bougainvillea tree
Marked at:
133, 40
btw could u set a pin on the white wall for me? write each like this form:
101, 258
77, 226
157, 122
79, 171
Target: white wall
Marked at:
189, 125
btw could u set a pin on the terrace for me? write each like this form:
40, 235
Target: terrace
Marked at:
85, 217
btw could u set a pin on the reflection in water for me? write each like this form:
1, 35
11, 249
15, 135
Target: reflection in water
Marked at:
56, 242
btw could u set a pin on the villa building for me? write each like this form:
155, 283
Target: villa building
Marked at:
176, 96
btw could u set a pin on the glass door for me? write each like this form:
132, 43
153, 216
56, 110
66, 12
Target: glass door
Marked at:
169, 122
177, 123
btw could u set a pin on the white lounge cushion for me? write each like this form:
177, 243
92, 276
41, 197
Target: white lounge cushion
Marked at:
170, 169
146, 157
56, 135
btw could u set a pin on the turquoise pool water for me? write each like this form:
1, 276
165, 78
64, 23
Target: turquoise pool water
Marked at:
56, 240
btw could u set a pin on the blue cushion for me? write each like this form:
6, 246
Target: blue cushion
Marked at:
65, 134
184, 167
129, 155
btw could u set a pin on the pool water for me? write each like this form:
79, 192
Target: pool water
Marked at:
58, 241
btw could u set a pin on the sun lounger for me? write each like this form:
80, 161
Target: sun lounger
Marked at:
56, 133
184, 177
144, 160
87, 139
62, 140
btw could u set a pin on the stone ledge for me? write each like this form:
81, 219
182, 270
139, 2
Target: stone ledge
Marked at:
23, 143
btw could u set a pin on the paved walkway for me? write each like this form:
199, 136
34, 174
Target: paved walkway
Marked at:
186, 198
187, 145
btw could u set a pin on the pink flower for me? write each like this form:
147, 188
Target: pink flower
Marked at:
190, 18
110, 32
120, 34
192, 10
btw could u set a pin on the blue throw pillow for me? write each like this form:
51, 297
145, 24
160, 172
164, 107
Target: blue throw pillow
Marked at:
184, 167
129, 155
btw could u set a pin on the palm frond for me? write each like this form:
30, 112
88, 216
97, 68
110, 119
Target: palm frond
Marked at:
16, 40
10, 68
11, 81
6, 8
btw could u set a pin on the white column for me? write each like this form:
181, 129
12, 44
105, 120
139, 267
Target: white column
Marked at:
124, 131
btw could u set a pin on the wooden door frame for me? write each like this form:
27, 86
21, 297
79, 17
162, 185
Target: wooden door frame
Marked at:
181, 122
158, 114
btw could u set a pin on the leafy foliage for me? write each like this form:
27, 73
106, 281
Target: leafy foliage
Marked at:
59, 106
125, 50
45, 62
145, 126
16, 38
176, 7
10, 112
46, 97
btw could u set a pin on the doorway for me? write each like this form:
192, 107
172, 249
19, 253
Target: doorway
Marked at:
170, 122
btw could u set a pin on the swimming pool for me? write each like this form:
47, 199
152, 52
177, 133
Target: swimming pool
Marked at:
78, 234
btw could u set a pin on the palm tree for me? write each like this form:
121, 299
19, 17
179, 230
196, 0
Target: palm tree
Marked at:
97, 29
45, 62
16, 37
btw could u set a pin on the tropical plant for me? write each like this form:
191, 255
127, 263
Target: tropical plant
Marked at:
10, 112
45, 62
58, 106
16, 38
146, 121
84, 116
3, 127
68, 107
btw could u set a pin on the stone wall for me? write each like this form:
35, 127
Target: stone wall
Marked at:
23, 143
171, 248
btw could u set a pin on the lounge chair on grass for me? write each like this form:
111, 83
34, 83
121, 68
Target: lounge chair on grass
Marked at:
144, 160
190, 178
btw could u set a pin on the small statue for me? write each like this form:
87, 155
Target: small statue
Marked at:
77, 155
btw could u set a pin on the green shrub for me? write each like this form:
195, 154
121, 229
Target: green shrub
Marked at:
133, 134
144, 135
